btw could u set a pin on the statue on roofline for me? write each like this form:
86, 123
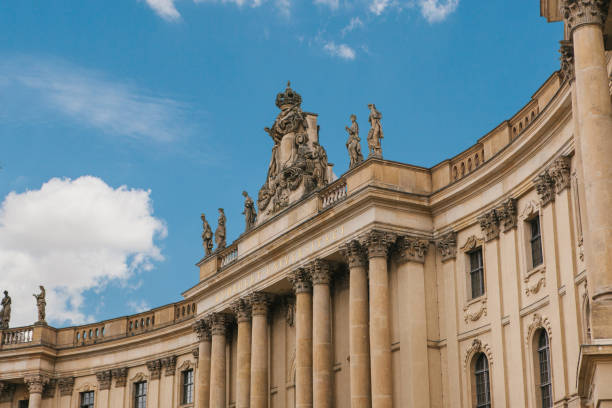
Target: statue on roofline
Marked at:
250, 215
207, 236
353, 144
375, 134
41, 304
220, 231
5, 313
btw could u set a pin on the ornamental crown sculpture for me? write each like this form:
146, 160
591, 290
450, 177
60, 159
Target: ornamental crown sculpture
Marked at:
289, 97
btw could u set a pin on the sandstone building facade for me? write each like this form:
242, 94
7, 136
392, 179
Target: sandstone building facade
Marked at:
484, 281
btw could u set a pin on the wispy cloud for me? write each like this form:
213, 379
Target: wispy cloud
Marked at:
332, 4
436, 11
138, 306
339, 50
354, 24
165, 9
378, 6
89, 98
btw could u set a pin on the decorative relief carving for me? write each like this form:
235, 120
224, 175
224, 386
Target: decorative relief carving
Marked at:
66, 386
289, 306
154, 367
242, 309
567, 60
531, 208
537, 323
218, 323
320, 272
120, 376
260, 303
104, 379
535, 288
477, 347
7, 391
49, 388
472, 243
580, 12
447, 245
196, 354
169, 365
202, 330
377, 243
489, 223
473, 316
411, 249
35, 383
300, 279
354, 254
560, 173
545, 186
187, 365
507, 214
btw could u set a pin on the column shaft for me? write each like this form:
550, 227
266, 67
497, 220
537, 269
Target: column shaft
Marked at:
303, 338
259, 362
218, 326
243, 381
35, 400
322, 347
203, 390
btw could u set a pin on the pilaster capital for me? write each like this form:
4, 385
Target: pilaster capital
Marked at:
411, 249
559, 170
242, 309
567, 60
320, 272
154, 367
354, 254
104, 379
120, 376
489, 224
447, 245
300, 279
507, 214
218, 323
260, 303
202, 330
545, 186
66, 386
582, 12
49, 388
36, 383
169, 365
378, 243
7, 391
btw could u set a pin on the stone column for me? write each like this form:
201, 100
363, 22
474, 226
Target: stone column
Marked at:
203, 382
359, 337
321, 335
377, 244
260, 303
414, 364
35, 384
104, 383
302, 286
242, 311
585, 21
218, 323
154, 367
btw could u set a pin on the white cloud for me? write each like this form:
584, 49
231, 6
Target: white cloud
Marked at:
332, 4
437, 10
72, 236
89, 98
165, 9
339, 50
352, 25
378, 6
138, 306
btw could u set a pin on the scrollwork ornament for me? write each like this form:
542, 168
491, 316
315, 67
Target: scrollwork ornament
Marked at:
447, 246
472, 317
477, 347
583, 12
538, 322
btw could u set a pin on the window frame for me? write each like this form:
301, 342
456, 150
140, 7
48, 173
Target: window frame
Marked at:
187, 389
137, 396
481, 376
480, 270
535, 238
542, 385
83, 394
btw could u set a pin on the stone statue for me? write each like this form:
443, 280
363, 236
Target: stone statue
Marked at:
250, 215
220, 231
5, 313
207, 236
41, 304
375, 134
353, 144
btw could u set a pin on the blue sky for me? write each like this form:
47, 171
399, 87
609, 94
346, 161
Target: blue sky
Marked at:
162, 104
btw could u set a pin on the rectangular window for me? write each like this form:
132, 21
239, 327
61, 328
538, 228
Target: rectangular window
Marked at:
140, 394
23, 403
536, 242
476, 273
87, 399
187, 387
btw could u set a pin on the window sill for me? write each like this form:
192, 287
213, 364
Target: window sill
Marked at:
478, 299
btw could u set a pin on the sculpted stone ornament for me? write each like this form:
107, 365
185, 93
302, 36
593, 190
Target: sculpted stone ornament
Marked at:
353, 144
489, 223
411, 249
120, 376
7, 391
567, 60
207, 236
36, 383
300, 279
507, 214
202, 330
154, 368
447, 245
104, 379
220, 231
5, 313
375, 134
545, 186
66, 386
580, 12
354, 254
250, 215
41, 304
560, 173
299, 163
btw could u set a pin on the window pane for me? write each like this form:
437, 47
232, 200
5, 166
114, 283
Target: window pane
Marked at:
87, 399
483, 391
476, 273
140, 393
544, 365
536, 242
188, 387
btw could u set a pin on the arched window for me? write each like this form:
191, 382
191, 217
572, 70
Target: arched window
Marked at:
543, 368
462, 169
476, 160
455, 173
469, 165
483, 386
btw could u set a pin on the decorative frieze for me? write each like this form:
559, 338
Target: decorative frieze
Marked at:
300, 279
489, 223
35, 383
567, 60
202, 330
581, 12
377, 243
354, 254
154, 367
169, 365
560, 173
7, 391
49, 388
545, 186
66, 386
242, 310
411, 249
104, 379
320, 272
120, 376
260, 303
507, 214
218, 323
447, 246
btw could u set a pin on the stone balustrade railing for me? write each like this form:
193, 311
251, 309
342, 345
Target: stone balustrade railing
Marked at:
334, 193
229, 255
17, 336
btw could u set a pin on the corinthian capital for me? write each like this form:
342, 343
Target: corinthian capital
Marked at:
447, 245
218, 323
581, 12
378, 243
104, 379
489, 223
36, 383
320, 272
66, 385
154, 367
201, 329
300, 279
260, 303
354, 254
242, 309
411, 249
545, 186
507, 214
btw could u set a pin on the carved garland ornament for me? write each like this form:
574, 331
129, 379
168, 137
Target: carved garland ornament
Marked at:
477, 347
581, 12
472, 317
537, 323
535, 288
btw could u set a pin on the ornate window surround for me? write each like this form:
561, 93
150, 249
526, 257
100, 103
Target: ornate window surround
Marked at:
533, 278
138, 377
87, 386
471, 313
469, 363
539, 322
178, 383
